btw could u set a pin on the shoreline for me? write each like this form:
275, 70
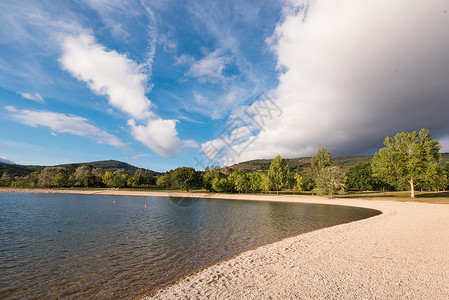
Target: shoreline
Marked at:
399, 254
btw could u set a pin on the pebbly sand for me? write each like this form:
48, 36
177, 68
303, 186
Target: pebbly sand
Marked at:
400, 254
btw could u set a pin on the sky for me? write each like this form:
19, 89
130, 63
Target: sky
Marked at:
165, 83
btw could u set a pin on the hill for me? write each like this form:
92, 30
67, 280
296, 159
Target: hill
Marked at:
302, 164
106, 165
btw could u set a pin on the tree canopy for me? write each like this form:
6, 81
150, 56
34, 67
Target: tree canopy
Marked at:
278, 173
406, 158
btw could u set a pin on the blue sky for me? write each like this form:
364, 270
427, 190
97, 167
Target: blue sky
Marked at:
160, 84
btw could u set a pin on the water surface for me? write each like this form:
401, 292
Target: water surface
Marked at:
87, 246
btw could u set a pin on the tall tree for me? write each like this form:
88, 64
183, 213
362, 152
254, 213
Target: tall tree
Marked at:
322, 160
330, 181
406, 158
279, 173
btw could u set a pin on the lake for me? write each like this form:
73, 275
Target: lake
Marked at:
105, 247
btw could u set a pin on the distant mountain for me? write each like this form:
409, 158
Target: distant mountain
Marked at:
106, 165
302, 164
109, 165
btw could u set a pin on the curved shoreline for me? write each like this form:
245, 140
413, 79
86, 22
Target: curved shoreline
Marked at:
399, 254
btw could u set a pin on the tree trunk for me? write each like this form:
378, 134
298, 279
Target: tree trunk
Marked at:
412, 188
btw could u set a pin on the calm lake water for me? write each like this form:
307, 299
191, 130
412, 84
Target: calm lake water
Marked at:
87, 246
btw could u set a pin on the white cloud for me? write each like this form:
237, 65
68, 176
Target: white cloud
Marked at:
353, 72
63, 123
210, 68
158, 135
36, 97
107, 73
4, 159
124, 82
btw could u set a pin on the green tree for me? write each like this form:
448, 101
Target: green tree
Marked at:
360, 177
278, 173
60, 180
186, 178
6, 179
330, 181
322, 160
265, 182
299, 182
254, 181
436, 178
107, 178
406, 158
164, 181
47, 175
221, 185
209, 175
239, 181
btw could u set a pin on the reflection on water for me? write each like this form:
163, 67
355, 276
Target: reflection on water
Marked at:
87, 246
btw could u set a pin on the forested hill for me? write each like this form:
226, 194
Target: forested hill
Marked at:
302, 164
106, 165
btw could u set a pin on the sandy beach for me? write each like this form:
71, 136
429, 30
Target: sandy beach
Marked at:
400, 254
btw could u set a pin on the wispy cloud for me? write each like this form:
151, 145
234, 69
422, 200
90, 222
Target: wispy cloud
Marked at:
36, 97
63, 123
210, 68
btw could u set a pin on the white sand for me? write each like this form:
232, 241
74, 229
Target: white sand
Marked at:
400, 254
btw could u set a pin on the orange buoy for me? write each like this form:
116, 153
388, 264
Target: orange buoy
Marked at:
114, 201
146, 205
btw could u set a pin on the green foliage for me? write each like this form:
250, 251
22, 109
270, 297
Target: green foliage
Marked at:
254, 181
406, 159
321, 161
164, 181
298, 182
210, 174
60, 180
239, 181
330, 181
278, 173
221, 185
265, 182
360, 178
186, 178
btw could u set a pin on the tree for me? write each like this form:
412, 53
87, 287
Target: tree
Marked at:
299, 182
163, 181
222, 185
239, 181
186, 178
406, 158
81, 173
323, 159
210, 174
436, 178
254, 181
360, 177
330, 181
265, 182
278, 173
60, 180
107, 178
47, 175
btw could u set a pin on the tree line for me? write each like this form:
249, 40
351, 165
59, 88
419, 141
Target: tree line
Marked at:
409, 161
79, 176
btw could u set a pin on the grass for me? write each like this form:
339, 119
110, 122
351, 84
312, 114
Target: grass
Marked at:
404, 196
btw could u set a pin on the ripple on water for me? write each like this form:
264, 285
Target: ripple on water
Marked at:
87, 246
